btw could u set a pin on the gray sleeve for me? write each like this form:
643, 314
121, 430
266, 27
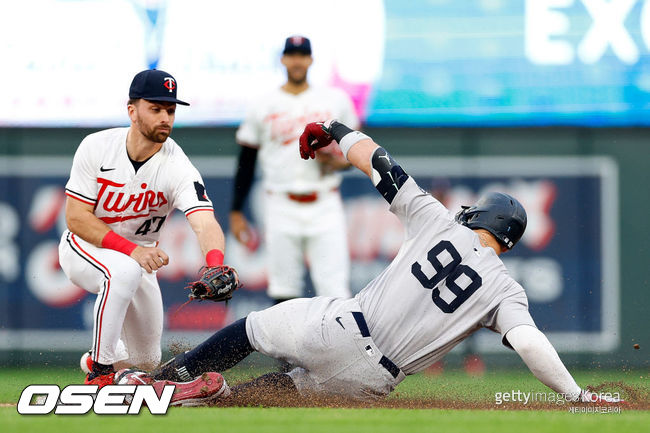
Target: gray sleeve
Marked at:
510, 313
415, 207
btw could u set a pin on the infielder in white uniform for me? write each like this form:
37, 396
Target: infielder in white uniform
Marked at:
303, 211
123, 184
446, 282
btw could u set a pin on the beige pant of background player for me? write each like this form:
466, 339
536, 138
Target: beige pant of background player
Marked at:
128, 314
315, 230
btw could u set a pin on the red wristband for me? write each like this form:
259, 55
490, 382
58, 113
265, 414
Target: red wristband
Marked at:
214, 258
116, 242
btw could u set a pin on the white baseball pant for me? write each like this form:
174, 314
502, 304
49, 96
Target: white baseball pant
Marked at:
316, 231
128, 314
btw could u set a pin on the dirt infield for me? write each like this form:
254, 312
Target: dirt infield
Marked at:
636, 398
437, 396
430, 404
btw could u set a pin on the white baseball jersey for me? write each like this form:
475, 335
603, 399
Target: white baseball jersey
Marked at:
274, 125
134, 205
442, 286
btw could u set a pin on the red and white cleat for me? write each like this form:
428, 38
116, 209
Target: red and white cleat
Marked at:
129, 376
102, 381
201, 391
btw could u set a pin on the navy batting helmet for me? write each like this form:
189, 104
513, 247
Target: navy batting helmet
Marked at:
500, 214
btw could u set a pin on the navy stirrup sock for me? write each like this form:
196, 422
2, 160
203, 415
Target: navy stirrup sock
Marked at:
223, 350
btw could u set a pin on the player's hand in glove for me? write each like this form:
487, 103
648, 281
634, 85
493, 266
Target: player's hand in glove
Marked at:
315, 136
216, 284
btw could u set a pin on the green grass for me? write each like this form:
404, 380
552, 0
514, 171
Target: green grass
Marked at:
243, 420
459, 386
452, 385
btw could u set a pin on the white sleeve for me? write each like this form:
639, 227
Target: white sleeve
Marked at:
415, 207
82, 184
190, 194
249, 130
542, 360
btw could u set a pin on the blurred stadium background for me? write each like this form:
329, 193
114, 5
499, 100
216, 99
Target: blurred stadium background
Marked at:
545, 99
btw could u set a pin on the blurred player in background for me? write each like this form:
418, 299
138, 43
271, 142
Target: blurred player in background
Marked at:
303, 210
123, 184
446, 282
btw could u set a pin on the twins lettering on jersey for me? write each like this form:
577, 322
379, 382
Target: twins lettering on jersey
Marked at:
286, 129
114, 201
135, 203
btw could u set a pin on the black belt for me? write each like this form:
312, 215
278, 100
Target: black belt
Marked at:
365, 332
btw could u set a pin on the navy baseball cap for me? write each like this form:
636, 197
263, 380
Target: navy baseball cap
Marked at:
154, 85
297, 44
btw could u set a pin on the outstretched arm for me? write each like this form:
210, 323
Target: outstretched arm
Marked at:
208, 232
360, 151
320, 134
543, 361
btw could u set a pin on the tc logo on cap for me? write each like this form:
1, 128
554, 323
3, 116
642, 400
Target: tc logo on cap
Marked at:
147, 85
297, 44
170, 84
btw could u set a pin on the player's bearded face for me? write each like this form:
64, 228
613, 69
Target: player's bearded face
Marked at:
297, 65
154, 120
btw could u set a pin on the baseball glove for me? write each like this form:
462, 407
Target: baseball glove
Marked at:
216, 284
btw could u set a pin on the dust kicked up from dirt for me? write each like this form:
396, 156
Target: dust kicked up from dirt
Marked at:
636, 398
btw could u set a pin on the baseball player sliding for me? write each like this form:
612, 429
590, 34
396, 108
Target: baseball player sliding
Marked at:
303, 210
123, 184
446, 282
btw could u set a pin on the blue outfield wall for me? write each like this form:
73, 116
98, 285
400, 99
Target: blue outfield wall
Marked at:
574, 260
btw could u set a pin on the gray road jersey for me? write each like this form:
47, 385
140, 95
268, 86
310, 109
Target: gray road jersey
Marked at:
441, 287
